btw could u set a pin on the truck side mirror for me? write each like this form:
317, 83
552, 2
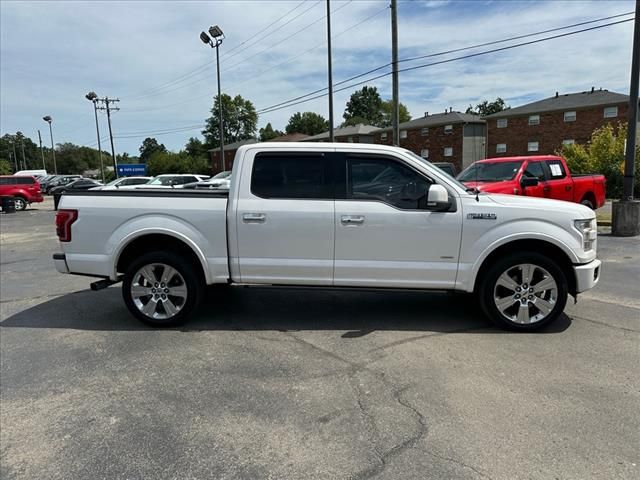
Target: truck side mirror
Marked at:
529, 182
438, 198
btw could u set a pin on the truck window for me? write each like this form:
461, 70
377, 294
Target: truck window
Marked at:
534, 170
387, 181
292, 176
556, 169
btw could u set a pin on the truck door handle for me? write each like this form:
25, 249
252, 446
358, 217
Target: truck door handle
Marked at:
567, 188
546, 189
352, 219
253, 217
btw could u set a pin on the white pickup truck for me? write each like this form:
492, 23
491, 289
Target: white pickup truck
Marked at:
338, 215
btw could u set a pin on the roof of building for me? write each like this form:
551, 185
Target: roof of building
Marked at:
438, 119
590, 98
359, 129
236, 145
290, 137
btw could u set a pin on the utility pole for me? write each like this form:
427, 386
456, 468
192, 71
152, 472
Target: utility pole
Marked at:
330, 70
24, 160
44, 167
15, 157
107, 102
395, 108
15, 162
626, 212
93, 98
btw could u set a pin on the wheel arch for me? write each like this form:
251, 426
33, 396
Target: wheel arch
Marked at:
591, 197
544, 247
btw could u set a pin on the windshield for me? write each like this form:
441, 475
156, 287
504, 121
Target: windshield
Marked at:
113, 182
223, 174
163, 181
441, 172
490, 172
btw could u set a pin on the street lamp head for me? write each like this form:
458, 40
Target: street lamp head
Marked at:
91, 96
205, 38
47, 119
216, 32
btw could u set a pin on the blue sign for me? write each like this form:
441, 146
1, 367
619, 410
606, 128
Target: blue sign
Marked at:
131, 170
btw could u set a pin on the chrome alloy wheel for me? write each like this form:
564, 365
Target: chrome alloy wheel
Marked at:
525, 293
19, 203
158, 291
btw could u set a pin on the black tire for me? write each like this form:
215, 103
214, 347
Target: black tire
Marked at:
20, 203
192, 281
587, 203
487, 288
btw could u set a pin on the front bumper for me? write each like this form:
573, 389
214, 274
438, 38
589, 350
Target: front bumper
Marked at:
60, 261
587, 275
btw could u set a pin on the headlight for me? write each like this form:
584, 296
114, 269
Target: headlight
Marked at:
589, 231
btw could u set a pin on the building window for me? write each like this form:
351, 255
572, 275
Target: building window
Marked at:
532, 146
448, 128
501, 148
568, 141
349, 139
448, 151
424, 153
403, 134
610, 112
570, 116
424, 132
534, 119
383, 136
502, 123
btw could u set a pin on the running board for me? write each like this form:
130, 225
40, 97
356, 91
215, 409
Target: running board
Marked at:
100, 284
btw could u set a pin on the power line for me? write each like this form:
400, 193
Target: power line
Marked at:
287, 103
302, 98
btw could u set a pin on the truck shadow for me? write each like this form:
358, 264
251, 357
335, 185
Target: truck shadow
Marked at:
358, 312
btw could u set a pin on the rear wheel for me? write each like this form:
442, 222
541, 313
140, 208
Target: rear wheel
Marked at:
20, 203
523, 292
162, 289
588, 203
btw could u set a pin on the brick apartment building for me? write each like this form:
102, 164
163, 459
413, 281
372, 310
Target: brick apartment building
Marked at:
542, 127
354, 134
453, 137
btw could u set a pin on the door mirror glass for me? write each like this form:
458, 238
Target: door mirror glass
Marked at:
438, 198
529, 182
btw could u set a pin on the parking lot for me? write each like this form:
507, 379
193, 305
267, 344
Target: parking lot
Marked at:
310, 383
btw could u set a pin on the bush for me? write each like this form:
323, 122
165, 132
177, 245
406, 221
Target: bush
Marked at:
603, 154
169, 162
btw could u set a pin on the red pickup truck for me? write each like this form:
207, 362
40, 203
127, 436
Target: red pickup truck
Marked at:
535, 176
24, 189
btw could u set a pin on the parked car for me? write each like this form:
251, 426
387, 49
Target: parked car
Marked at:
61, 181
123, 182
332, 215
47, 180
76, 185
24, 189
448, 167
545, 176
173, 180
33, 173
221, 180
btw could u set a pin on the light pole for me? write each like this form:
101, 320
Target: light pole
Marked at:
48, 119
93, 98
44, 167
214, 42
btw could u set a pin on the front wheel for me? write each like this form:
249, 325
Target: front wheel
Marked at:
20, 203
523, 292
162, 289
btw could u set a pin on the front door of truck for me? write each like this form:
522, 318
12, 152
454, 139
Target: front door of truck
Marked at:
534, 169
559, 185
385, 236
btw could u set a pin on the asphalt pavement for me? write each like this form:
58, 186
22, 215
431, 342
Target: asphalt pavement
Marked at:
292, 383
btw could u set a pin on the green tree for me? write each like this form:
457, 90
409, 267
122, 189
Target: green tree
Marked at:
486, 107
364, 106
387, 117
32, 157
195, 148
181, 162
267, 133
5, 167
309, 123
603, 154
149, 147
240, 121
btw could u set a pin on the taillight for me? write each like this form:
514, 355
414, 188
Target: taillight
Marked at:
64, 220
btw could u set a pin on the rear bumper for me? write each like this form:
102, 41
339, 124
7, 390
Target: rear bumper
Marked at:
60, 261
587, 275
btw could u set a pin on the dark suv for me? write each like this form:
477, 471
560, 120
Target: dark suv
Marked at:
23, 188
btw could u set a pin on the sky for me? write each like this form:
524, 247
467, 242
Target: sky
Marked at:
148, 55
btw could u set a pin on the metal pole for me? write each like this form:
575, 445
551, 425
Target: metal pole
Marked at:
113, 150
395, 108
24, 160
221, 133
330, 70
44, 167
15, 157
53, 150
15, 162
629, 161
95, 111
